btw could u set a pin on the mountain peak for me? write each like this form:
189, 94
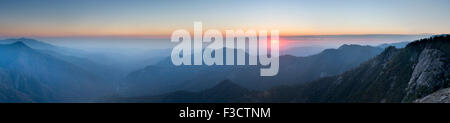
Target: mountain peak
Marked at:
347, 46
32, 43
18, 45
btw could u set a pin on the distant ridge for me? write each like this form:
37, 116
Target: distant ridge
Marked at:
160, 78
419, 72
29, 42
396, 75
37, 76
396, 45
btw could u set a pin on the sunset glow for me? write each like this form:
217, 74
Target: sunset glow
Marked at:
275, 41
86, 18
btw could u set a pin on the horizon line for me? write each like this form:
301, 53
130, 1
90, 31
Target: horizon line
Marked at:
166, 37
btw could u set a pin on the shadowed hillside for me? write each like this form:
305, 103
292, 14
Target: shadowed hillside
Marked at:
165, 77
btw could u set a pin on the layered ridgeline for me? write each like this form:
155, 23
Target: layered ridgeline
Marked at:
32, 75
36, 71
396, 75
165, 77
81, 58
302, 51
118, 62
396, 45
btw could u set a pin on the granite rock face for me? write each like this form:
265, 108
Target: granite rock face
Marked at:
431, 73
441, 96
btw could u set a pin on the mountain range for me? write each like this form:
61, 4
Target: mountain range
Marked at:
164, 76
396, 75
34, 71
36, 75
420, 72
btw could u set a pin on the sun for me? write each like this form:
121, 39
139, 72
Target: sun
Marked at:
274, 41
279, 43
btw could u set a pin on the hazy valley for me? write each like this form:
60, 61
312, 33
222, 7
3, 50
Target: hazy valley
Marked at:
35, 71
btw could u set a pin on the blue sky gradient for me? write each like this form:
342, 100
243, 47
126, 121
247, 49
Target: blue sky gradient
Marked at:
141, 18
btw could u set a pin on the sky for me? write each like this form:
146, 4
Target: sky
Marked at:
159, 18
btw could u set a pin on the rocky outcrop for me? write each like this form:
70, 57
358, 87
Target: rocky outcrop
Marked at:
394, 76
441, 96
430, 74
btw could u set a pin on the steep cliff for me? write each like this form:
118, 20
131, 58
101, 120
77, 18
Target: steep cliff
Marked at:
441, 96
